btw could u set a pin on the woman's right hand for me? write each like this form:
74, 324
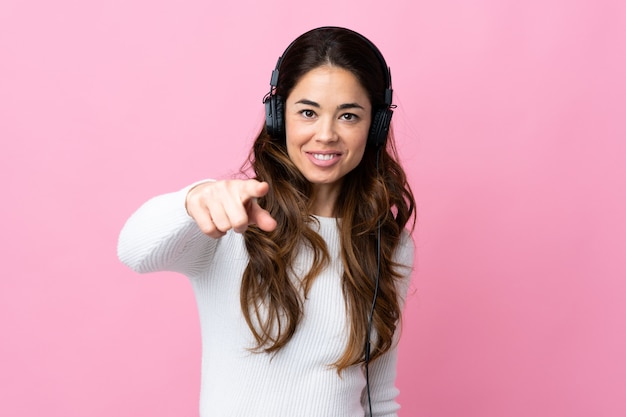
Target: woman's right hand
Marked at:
220, 206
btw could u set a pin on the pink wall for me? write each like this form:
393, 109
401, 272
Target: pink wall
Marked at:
510, 123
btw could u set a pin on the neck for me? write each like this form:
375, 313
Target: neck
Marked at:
323, 200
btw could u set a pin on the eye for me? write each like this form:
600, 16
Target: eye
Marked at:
307, 113
349, 117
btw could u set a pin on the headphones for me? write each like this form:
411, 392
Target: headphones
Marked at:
381, 117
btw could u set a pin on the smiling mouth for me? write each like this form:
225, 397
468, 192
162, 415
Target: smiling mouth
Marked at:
324, 157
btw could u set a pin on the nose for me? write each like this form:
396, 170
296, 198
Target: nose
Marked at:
326, 131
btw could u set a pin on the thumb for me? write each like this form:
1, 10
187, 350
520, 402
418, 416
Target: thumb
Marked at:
260, 217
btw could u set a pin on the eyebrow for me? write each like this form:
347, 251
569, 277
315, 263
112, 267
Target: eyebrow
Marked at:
340, 107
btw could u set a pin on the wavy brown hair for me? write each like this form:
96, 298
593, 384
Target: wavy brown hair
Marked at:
375, 195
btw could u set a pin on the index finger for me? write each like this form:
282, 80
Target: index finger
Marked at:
253, 189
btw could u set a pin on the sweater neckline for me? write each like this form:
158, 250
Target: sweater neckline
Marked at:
326, 222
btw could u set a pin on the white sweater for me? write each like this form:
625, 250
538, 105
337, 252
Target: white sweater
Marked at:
295, 382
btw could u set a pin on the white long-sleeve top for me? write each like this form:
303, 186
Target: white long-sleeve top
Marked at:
298, 380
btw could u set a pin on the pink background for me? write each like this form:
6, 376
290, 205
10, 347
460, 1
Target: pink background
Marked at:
510, 124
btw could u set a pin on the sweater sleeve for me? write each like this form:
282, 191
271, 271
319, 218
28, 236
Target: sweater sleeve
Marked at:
383, 370
161, 236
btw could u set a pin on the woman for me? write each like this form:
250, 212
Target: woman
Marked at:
297, 267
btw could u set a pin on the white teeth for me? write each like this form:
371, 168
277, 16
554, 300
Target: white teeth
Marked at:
323, 157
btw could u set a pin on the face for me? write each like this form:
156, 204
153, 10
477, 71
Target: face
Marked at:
327, 121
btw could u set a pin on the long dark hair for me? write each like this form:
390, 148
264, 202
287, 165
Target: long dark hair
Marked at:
375, 194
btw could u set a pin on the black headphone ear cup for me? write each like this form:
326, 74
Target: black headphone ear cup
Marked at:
280, 118
274, 117
270, 115
379, 129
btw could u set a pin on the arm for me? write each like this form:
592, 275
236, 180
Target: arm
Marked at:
382, 371
179, 231
161, 236
382, 386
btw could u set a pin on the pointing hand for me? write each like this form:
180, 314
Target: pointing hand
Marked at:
231, 204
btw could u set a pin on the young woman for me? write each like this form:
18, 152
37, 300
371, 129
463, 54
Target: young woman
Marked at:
300, 271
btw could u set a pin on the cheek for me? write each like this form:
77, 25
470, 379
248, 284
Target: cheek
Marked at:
292, 145
359, 155
296, 136
290, 150
359, 150
361, 144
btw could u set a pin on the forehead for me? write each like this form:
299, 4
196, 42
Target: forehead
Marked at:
330, 83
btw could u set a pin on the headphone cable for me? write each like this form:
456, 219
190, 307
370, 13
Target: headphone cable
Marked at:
368, 343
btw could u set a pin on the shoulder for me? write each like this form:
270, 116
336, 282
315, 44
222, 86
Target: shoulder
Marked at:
404, 257
405, 251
